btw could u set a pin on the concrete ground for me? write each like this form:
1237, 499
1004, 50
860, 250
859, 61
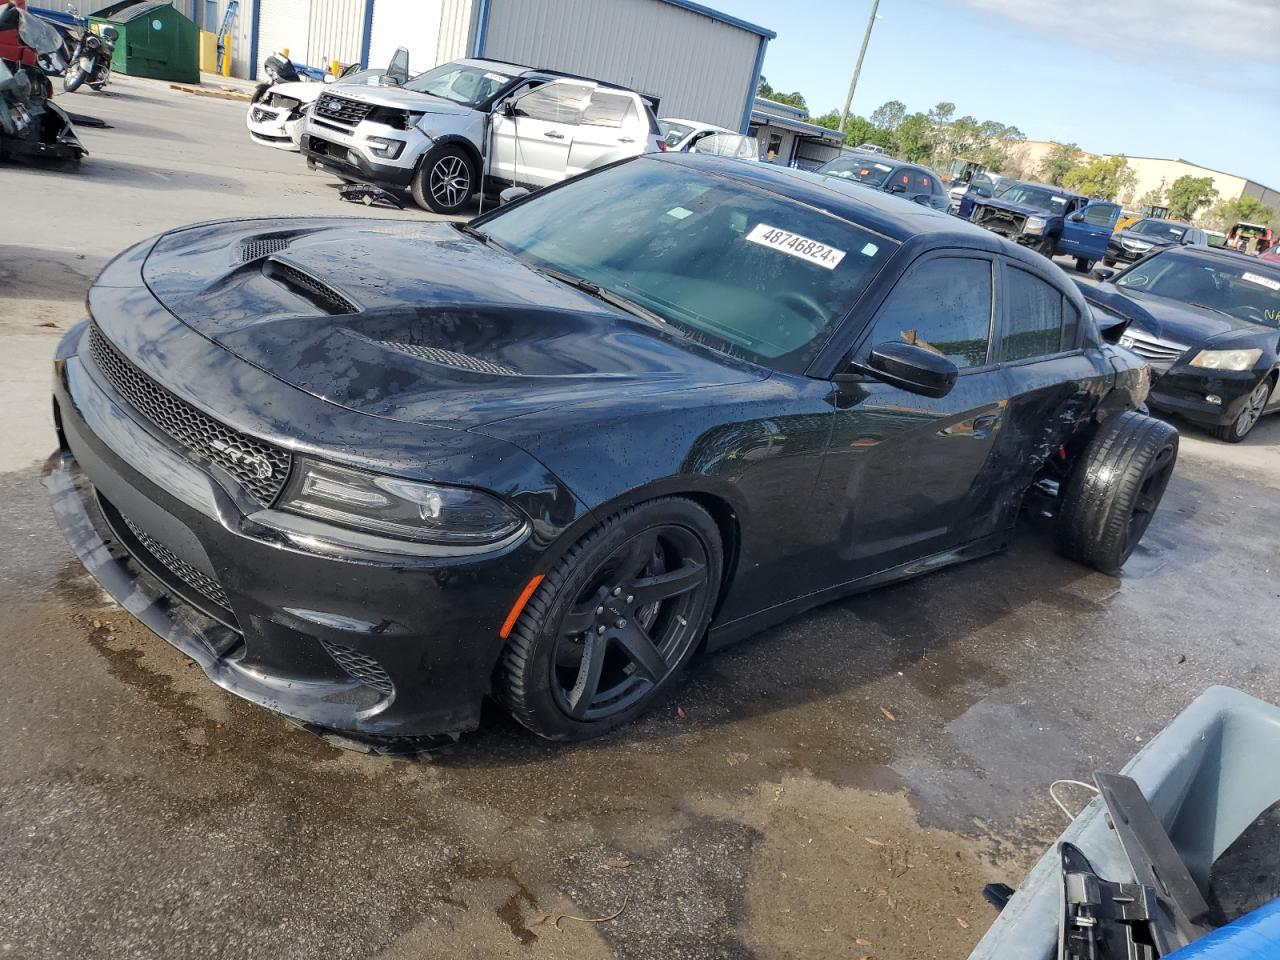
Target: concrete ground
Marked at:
841, 786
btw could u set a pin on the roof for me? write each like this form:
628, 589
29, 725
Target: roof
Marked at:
794, 124
723, 18
884, 213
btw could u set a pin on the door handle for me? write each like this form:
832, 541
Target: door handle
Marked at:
553, 135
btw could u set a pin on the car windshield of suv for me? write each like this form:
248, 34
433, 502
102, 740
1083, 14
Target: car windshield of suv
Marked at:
459, 82
872, 173
1161, 229
1037, 197
672, 132
746, 272
1245, 291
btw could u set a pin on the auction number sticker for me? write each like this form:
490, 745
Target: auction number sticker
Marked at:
1261, 281
824, 256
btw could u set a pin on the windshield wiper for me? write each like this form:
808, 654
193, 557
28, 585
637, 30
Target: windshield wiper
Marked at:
1205, 306
608, 296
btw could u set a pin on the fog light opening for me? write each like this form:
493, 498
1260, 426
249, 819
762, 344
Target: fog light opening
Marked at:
1213, 398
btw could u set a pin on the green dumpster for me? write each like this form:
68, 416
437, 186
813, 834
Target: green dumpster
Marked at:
155, 40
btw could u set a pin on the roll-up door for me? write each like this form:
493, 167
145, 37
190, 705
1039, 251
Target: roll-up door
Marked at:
283, 25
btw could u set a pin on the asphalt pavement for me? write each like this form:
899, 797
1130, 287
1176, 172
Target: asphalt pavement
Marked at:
841, 786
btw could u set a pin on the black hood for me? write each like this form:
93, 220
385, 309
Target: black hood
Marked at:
1145, 238
413, 321
1173, 321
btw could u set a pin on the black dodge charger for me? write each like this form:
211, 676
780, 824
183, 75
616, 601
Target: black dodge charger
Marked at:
366, 472
1208, 322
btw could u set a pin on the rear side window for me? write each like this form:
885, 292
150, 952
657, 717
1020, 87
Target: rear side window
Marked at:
608, 109
944, 305
1034, 310
922, 183
554, 103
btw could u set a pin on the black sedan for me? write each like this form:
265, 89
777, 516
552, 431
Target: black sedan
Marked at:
1208, 322
366, 472
1135, 242
905, 180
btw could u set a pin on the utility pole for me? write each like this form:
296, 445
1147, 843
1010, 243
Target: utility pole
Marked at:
853, 84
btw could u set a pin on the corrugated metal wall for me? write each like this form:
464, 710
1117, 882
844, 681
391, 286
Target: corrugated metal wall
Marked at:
337, 31
700, 68
457, 30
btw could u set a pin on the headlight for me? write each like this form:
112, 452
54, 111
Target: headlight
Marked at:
382, 147
393, 507
1227, 359
1034, 225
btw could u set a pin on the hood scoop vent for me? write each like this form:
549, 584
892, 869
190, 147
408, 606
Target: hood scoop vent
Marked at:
317, 291
260, 247
449, 358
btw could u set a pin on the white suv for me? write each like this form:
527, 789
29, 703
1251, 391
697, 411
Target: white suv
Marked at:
475, 125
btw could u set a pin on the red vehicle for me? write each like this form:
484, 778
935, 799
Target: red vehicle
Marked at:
11, 46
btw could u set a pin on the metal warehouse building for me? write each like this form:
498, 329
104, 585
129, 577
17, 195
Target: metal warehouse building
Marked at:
694, 61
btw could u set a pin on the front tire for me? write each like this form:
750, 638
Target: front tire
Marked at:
1108, 261
1083, 265
612, 626
1114, 490
1249, 415
1047, 247
445, 180
71, 81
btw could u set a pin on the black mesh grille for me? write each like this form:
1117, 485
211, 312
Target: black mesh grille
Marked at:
203, 584
320, 293
360, 667
449, 358
348, 112
261, 468
262, 247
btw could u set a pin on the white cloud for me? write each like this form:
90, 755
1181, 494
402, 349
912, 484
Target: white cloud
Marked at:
1186, 39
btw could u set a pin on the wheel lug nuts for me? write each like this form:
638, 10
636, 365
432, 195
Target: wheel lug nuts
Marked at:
600, 629
617, 591
630, 598
620, 623
599, 610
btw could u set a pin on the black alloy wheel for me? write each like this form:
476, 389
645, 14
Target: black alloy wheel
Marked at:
613, 625
444, 182
1249, 415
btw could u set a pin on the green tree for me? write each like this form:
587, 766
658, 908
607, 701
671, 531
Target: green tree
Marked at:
889, 115
1188, 194
1058, 161
915, 138
795, 98
857, 130
1103, 179
1227, 213
1152, 198
942, 112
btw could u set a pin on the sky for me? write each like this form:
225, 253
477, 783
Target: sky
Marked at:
1192, 79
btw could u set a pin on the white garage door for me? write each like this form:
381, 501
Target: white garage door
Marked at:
283, 25
413, 24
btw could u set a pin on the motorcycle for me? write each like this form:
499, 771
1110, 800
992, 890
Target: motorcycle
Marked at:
91, 60
31, 124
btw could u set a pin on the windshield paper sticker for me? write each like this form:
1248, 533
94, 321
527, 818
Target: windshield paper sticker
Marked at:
496, 77
797, 246
1261, 281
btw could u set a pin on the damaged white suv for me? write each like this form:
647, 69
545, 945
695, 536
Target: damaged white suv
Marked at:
475, 125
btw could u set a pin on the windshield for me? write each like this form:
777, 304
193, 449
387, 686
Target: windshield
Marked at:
871, 173
1037, 197
748, 273
1161, 229
459, 82
673, 132
1246, 291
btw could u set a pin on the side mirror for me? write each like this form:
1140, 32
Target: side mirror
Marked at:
512, 194
897, 188
912, 368
1103, 273
397, 73
1077, 217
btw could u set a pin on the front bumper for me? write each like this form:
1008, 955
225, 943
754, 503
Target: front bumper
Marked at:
270, 126
1116, 251
345, 151
368, 644
1182, 389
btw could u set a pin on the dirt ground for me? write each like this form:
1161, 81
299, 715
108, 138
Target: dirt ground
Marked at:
841, 786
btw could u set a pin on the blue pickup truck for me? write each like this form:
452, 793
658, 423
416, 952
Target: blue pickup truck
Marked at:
1051, 220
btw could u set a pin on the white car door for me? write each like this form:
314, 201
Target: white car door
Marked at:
533, 133
614, 125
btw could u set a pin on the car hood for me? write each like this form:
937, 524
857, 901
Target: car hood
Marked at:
1022, 208
401, 99
303, 91
414, 321
1175, 322
1144, 238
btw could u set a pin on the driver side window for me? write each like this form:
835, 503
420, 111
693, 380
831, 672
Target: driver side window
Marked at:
943, 305
554, 103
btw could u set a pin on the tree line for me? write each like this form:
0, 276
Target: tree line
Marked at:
937, 137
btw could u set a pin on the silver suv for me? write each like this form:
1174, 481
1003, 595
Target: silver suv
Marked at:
475, 125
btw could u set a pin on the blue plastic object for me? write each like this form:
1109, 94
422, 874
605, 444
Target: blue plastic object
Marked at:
1255, 936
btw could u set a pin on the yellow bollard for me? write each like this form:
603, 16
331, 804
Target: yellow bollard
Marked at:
226, 54
334, 66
